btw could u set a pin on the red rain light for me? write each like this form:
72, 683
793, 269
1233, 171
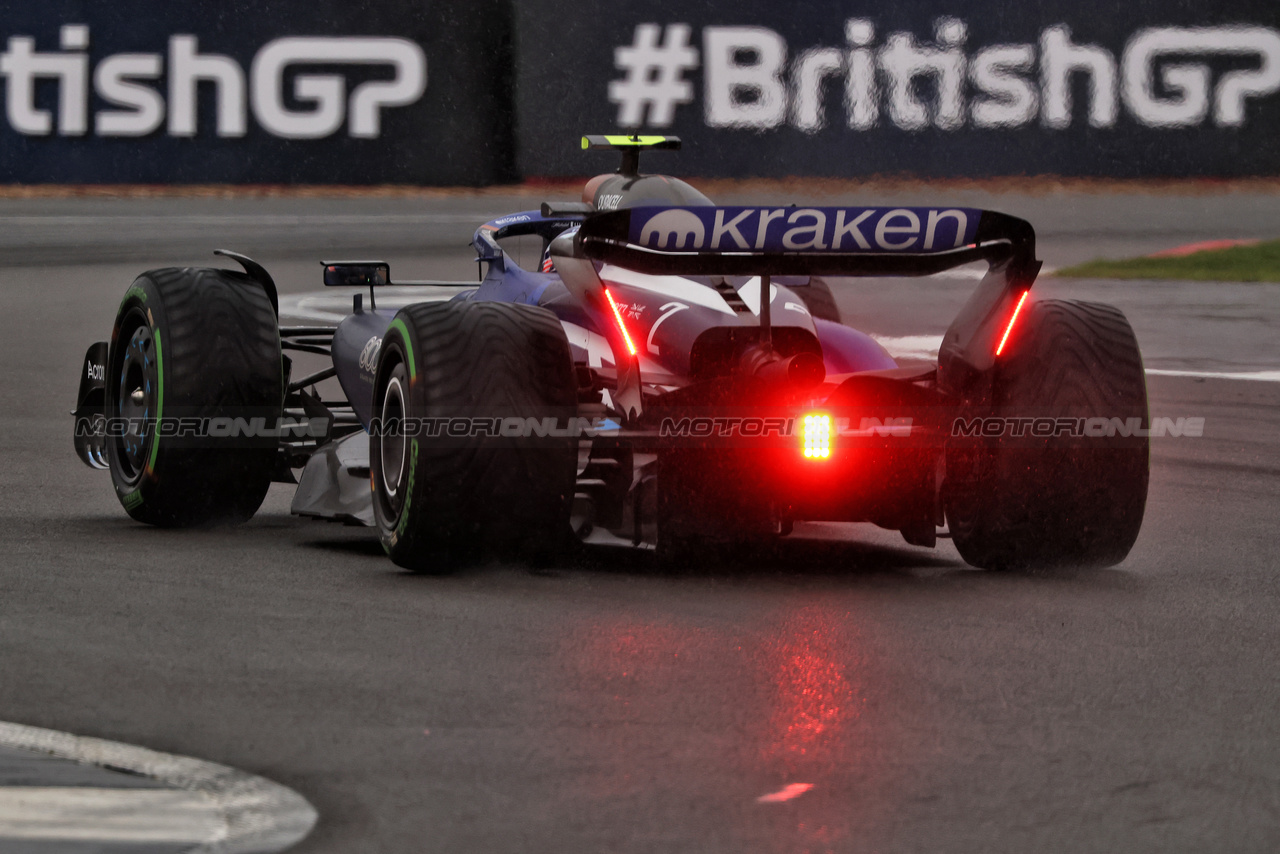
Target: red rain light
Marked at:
816, 436
1012, 320
626, 336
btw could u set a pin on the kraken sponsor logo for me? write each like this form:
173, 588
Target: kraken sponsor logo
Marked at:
681, 229
810, 229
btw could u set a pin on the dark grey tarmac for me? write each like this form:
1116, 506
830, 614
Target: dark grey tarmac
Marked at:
602, 706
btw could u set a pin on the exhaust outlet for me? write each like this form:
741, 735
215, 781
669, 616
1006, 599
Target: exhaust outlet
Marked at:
801, 371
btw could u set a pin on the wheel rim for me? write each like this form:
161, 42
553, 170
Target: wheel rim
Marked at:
136, 394
393, 451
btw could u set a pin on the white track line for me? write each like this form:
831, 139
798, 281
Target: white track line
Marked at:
256, 815
87, 814
926, 347
911, 346
1262, 376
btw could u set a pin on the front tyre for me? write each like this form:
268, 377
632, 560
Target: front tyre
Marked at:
193, 348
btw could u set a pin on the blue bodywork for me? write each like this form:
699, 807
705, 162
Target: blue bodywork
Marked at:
845, 350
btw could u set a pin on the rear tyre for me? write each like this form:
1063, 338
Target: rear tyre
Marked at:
462, 484
200, 345
1021, 503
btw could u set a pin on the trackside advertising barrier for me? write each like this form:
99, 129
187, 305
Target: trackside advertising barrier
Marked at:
933, 88
488, 91
261, 91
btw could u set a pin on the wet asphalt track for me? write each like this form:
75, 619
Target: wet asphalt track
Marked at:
600, 706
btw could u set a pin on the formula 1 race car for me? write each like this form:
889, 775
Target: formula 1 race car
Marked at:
672, 375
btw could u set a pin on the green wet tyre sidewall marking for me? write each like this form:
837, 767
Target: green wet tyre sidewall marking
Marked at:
134, 291
132, 500
155, 437
399, 326
408, 490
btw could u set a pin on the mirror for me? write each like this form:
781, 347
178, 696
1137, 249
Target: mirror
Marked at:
356, 273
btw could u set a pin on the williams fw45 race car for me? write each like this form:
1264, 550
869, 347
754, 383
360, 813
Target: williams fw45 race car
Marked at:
673, 375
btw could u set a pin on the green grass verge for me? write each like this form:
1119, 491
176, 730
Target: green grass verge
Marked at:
1257, 263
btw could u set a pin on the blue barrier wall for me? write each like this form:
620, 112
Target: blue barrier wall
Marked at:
333, 91
276, 91
934, 88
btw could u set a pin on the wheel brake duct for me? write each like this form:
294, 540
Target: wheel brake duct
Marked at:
256, 272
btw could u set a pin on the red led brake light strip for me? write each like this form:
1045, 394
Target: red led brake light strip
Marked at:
1012, 320
631, 347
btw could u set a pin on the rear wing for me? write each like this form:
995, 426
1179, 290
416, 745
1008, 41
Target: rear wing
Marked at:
846, 241
822, 241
